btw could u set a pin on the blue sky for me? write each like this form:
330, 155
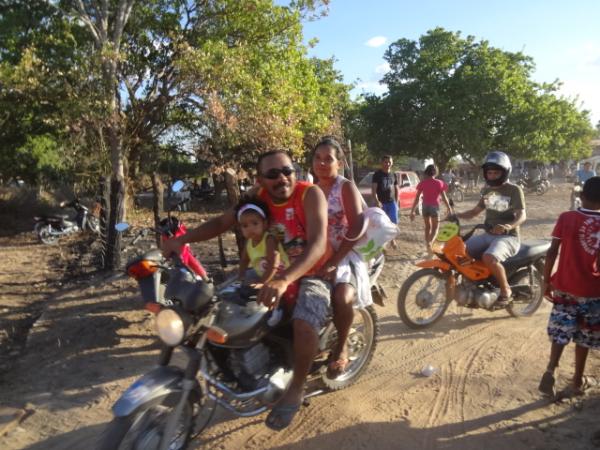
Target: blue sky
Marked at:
563, 37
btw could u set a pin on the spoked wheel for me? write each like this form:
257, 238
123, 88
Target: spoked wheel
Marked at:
422, 300
45, 235
527, 292
457, 195
144, 430
361, 347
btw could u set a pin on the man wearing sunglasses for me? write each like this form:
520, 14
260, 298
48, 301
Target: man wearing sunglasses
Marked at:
298, 213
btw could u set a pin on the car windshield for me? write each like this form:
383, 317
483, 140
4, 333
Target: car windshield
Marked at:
366, 181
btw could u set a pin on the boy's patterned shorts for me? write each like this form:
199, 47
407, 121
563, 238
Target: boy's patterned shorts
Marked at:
575, 318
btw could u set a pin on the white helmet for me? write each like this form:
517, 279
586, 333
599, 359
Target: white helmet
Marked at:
499, 161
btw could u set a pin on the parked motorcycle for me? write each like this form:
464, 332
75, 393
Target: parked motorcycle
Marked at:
238, 356
142, 268
576, 196
454, 275
455, 191
539, 185
51, 227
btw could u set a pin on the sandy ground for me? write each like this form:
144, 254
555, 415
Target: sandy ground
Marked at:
69, 346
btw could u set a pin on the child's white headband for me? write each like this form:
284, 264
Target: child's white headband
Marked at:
250, 206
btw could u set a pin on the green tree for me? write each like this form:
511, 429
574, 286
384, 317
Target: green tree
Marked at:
145, 78
450, 96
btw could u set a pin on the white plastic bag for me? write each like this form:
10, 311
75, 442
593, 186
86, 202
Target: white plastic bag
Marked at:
378, 230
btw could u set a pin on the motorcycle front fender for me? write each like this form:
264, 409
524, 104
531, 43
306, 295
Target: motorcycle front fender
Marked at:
150, 388
434, 264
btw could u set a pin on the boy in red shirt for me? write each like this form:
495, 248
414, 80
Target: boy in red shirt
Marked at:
574, 288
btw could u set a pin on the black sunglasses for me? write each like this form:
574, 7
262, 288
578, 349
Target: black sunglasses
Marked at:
273, 174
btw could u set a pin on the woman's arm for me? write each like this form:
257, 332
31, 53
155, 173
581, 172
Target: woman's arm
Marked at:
353, 209
415, 203
446, 202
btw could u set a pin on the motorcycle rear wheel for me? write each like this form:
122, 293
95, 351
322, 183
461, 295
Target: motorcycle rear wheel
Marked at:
45, 235
430, 297
362, 341
523, 304
143, 430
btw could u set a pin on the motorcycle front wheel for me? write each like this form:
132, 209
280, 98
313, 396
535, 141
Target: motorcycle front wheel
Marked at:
45, 235
362, 341
422, 300
527, 292
144, 430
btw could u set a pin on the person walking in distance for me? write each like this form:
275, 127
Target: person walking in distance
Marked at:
384, 189
432, 190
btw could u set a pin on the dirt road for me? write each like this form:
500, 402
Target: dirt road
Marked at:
90, 342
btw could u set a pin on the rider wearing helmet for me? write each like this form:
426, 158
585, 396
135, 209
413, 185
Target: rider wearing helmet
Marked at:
504, 206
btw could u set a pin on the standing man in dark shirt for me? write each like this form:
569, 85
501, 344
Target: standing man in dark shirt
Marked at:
384, 189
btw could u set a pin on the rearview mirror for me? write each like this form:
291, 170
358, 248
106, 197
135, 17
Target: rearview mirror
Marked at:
177, 186
120, 227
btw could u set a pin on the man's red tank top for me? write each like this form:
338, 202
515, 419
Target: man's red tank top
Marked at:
288, 223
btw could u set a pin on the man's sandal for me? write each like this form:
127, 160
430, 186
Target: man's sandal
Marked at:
337, 368
281, 416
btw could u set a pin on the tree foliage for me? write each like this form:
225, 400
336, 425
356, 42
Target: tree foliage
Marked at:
222, 78
449, 96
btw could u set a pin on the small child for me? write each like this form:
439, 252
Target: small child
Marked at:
431, 189
263, 255
574, 289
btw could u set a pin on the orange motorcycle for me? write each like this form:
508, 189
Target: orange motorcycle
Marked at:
453, 275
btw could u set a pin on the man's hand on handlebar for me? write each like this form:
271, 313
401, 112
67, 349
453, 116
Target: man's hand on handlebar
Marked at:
501, 229
271, 292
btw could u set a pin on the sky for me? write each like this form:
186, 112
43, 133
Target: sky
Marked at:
562, 37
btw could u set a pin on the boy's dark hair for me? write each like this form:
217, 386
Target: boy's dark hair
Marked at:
279, 151
252, 201
387, 157
430, 170
591, 190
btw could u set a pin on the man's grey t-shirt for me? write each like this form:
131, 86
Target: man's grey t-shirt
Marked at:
500, 203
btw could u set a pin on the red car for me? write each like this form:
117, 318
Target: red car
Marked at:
407, 188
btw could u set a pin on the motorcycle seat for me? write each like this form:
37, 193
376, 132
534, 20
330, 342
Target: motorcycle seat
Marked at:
53, 217
530, 249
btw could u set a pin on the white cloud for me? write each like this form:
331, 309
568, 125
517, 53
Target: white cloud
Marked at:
371, 87
587, 93
382, 69
376, 41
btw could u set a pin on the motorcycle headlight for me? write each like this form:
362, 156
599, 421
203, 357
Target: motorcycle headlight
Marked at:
171, 326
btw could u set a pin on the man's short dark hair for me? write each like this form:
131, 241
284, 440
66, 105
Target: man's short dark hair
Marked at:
279, 151
387, 157
591, 190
